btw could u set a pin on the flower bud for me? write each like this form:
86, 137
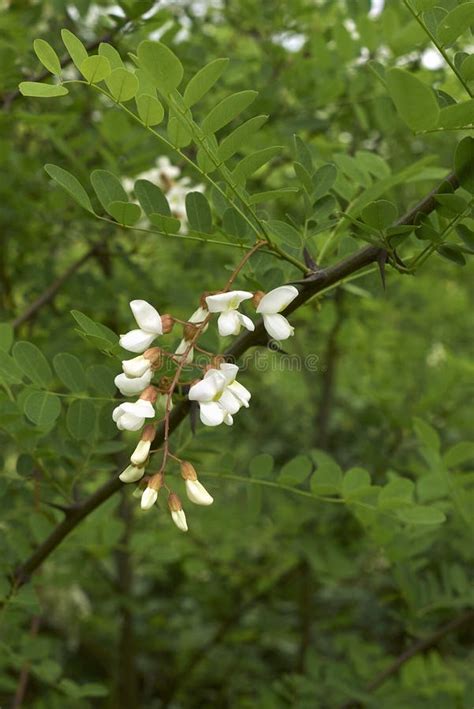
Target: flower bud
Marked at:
167, 323
149, 394
257, 297
154, 356
177, 512
132, 474
187, 470
150, 494
197, 493
141, 452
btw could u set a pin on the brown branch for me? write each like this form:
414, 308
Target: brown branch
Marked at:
308, 288
48, 295
421, 646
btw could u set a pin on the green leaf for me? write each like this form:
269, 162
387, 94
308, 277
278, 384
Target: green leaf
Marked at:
10, 372
80, 419
415, 101
40, 90
226, 110
373, 163
380, 214
458, 115
178, 132
151, 198
284, 232
101, 379
303, 176
70, 371
47, 56
453, 253
303, 154
122, 84
419, 514
466, 235
296, 470
396, 493
234, 224
33, 363
108, 188
327, 479
150, 110
162, 65
234, 142
95, 69
426, 434
94, 329
70, 184
125, 213
169, 225
259, 197
324, 207
75, 48
451, 204
456, 23
459, 453
323, 179
198, 212
204, 80
6, 336
356, 482
253, 162
42, 408
464, 163
110, 53
467, 68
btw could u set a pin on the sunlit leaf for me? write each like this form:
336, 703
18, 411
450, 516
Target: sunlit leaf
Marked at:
226, 110
204, 80
70, 184
47, 56
40, 90
415, 101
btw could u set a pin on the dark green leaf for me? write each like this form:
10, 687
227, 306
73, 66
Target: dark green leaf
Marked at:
419, 514
198, 212
235, 141
108, 188
70, 184
234, 224
415, 101
458, 115
464, 163
42, 408
284, 232
6, 336
151, 198
33, 363
80, 419
327, 478
296, 470
456, 23
452, 253
70, 371
322, 181
380, 214
125, 213
251, 163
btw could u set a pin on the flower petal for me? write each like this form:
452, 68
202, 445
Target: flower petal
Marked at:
240, 392
197, 493
140, 408
129, 422
220, 302
198, 316
277, 299
179, 518
117, 412
149, 498
229, 323
136, 340
136, 367
147, 317
141, 452
229, 371
228, 420
207, 388
132, 474
277, 326
211, 413
229, 402
129, 386
246, 322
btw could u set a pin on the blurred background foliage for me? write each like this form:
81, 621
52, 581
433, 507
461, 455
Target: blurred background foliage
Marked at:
272, 599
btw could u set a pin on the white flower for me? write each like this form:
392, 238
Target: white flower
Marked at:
230, 320
132, 474
270, 306
197, 493
149, 323
219, 395
131, 416
167, 171
136, 367
129, 386
181, 349
179, 518
149, 498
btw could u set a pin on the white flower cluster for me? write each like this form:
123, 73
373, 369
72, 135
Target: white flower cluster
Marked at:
167, 177
219, 395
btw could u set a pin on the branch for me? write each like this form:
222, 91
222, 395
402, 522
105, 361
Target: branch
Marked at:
421, 646
48, 294
308, 288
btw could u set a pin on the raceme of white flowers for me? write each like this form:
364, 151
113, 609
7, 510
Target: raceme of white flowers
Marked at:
217, 392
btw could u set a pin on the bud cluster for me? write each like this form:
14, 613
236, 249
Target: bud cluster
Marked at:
218, 393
